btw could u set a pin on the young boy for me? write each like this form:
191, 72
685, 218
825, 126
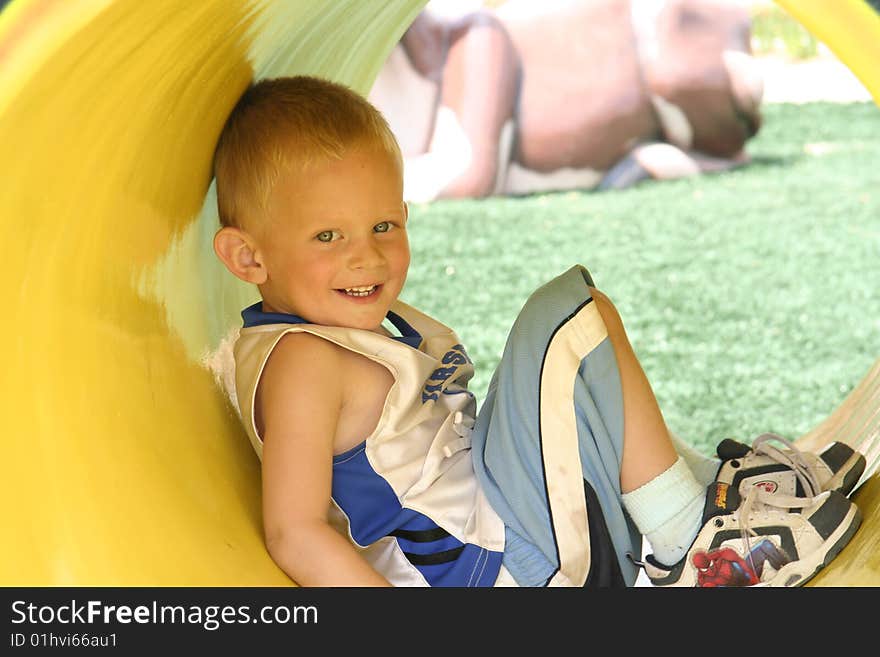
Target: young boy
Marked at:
375, 471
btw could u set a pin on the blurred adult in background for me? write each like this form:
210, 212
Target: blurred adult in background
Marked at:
570, 94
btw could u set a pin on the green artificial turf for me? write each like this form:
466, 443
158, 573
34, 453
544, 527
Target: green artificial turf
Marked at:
751, 297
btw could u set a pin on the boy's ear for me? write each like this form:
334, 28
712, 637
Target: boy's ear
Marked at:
238, 251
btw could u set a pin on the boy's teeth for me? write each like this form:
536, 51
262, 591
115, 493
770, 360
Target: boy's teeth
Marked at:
360, 291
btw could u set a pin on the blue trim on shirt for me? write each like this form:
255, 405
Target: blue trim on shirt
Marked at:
254, 316
374, 511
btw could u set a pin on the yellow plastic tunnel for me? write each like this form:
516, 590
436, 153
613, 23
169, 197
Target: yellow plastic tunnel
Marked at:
123, 459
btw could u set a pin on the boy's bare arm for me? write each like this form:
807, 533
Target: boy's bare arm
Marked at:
301, 396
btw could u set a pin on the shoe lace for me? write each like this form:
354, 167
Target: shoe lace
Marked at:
792, 458
759, 495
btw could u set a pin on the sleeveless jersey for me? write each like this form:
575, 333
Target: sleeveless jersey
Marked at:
407, 496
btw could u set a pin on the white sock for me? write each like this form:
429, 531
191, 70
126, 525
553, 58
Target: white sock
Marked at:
705, 468
668, 511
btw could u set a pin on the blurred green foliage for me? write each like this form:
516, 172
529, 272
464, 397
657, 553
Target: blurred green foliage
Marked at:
775, 32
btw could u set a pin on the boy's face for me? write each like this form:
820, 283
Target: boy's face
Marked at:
335, 246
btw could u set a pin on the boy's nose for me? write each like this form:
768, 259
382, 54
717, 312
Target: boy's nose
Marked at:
365, 254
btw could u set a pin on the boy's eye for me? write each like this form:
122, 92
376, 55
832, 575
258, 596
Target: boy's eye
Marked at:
382, 227
327, 236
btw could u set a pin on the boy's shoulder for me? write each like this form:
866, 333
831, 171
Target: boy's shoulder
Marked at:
302, 359
281, 356
301, 353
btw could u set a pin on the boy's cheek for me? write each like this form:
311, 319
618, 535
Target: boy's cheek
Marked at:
404, 266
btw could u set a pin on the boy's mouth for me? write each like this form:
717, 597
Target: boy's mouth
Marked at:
360, 291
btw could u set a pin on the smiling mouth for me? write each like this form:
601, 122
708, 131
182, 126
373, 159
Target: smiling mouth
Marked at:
362, 291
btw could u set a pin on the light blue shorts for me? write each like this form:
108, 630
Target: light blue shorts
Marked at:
548, 444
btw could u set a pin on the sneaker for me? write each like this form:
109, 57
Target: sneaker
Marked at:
764, 539
788, 470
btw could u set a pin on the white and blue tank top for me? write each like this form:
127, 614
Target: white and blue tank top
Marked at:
407, 496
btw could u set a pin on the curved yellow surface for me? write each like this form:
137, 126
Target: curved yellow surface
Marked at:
124, 463
850, 28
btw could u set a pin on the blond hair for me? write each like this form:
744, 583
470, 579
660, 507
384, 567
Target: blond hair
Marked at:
287, 122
